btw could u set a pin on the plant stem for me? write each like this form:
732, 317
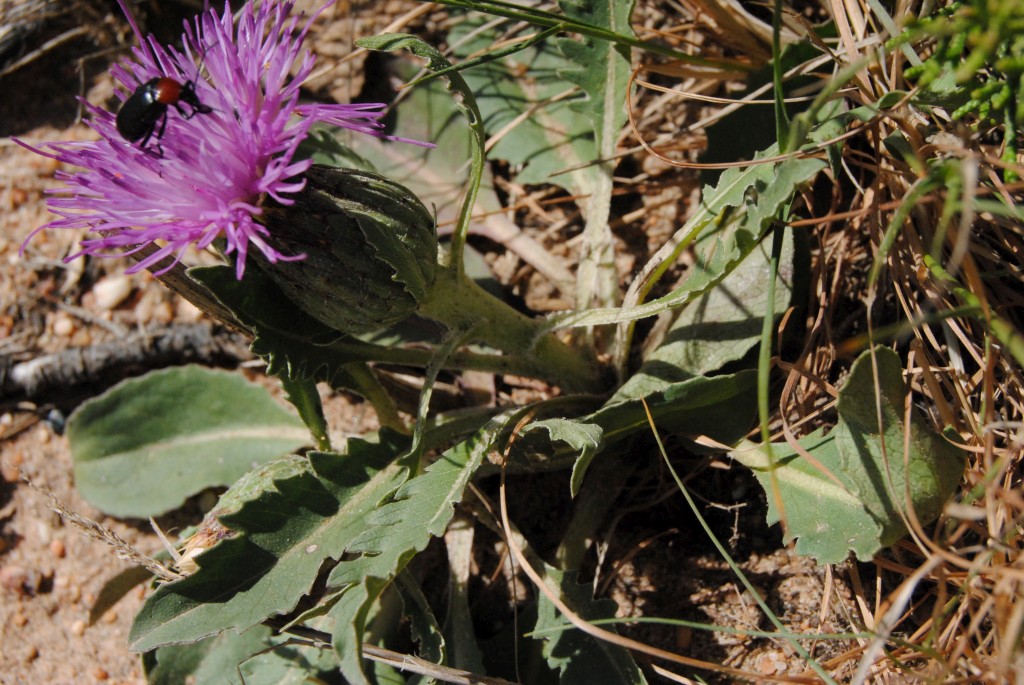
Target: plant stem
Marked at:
460, 304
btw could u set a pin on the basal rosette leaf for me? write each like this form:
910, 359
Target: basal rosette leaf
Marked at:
578, 657
859, 497
892, 466
737, 212
257, 655
722, 326
148, 443
280, 539
398, 529
523, 96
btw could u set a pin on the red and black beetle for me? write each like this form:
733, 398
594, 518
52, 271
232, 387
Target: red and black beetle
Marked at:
147, 107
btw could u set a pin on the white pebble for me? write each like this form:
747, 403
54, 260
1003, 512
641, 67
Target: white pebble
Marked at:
63, 325
112, 291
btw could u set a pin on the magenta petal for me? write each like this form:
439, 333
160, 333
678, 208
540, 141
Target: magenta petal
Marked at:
205, 178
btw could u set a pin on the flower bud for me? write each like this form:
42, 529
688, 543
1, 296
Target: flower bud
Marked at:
370, 246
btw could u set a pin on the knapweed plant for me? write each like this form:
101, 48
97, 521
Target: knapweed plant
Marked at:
324, 551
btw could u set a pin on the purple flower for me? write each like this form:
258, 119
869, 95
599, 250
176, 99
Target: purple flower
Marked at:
207, 175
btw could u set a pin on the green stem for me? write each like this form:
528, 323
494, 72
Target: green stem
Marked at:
461, 305
546, 19
303, 395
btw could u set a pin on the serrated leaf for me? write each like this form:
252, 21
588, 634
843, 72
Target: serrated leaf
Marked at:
396, 531
600, 68
148, 443
423, 626
738, 210
218, 661
862, 511
581, 437
720, 327
721, 407
580, 658
285, 535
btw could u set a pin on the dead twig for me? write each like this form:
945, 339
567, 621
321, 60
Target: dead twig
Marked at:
53, 373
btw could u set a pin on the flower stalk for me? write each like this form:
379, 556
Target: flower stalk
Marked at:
457, 302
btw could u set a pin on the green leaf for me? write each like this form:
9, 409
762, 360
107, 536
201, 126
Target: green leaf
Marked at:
739, 210
721, 407
873, 457
580, 658
219, 660
147, 444
465, 102
396, 531
285, 532
863, 511
437, 175
826, 518
600, 68
296, 346
720, 327
582, 438
423, 625
540, 135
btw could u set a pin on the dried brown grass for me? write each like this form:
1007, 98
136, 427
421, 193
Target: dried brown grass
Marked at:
949, 609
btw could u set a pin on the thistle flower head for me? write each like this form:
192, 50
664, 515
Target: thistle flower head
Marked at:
203, 174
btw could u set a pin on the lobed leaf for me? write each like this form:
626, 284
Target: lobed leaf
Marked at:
286, 532
256, 655
580, 658
395, 531
739, 210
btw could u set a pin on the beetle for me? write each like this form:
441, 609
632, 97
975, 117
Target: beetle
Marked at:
146, 108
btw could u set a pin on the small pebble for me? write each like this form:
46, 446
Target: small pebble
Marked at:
57, 548
99, 674
31, 654
19, 619
14, 579
63, 325
112, 291
187, 312
17, 198
110, 616
78, 628
81, 338
9, 471
163, 313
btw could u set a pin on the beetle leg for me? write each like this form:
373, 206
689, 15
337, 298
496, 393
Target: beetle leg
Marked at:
149, 134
